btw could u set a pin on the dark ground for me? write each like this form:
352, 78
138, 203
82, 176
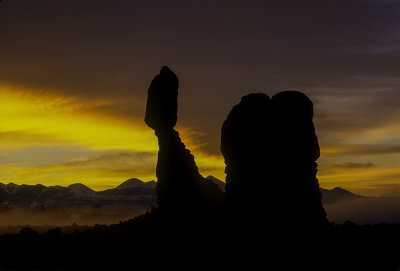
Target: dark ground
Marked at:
153, 241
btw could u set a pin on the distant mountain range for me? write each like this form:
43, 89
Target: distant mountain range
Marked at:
337, 194
77, 203
132, 192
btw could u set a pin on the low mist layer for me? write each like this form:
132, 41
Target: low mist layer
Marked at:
365, 210
81, 216
85, 207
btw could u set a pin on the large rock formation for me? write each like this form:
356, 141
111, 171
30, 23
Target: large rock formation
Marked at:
180, 187
270, 149
296, 151
245, 144
270, 146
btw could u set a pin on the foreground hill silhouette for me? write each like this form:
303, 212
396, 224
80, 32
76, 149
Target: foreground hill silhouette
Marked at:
195, 228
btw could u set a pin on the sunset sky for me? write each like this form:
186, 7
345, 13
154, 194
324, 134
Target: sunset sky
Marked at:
74, 78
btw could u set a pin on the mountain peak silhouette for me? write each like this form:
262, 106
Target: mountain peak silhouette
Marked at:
338, 194
78, 188
218, 182
133, 182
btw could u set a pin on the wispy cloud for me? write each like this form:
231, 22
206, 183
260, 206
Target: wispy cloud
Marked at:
352, 165
360, 149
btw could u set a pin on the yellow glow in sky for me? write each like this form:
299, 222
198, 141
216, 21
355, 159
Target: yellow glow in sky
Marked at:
58, 119
56, 140
92, 148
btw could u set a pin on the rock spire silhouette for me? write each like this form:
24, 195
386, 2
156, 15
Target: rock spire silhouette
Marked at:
180, 186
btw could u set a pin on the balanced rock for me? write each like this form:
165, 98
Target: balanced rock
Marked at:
162, 104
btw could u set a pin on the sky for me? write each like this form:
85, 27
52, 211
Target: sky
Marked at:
74, 78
